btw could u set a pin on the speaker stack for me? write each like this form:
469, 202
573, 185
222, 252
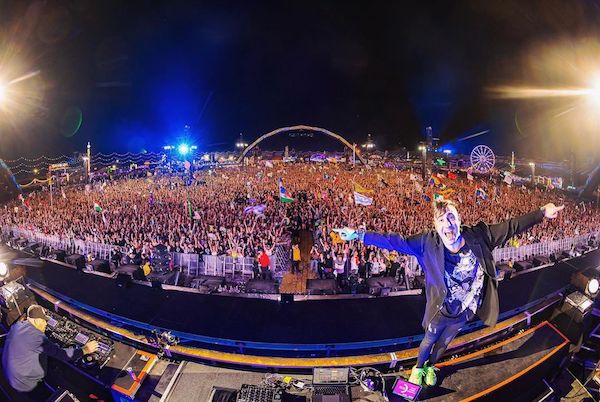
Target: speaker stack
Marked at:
540, 260
76, 260
208, 283
321, 286
383, 286
58, 255
523, 265
100, 266
262, 286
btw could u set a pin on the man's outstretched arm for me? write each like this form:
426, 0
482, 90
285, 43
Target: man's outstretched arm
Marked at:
500, 233
392, 241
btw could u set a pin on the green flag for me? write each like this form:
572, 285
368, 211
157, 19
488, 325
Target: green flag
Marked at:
97, 208
189, 208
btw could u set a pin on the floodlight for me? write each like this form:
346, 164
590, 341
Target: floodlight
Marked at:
586, 282
183, 149
592, 286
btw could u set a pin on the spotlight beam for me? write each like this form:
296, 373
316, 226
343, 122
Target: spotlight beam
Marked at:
511, 92
24, 77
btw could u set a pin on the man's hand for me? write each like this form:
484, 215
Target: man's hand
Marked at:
90, 347
347, 234
551, 211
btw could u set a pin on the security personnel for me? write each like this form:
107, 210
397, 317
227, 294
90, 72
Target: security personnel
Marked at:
25, 355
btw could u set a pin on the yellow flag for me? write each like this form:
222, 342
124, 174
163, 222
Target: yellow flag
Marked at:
360, 189
445, 192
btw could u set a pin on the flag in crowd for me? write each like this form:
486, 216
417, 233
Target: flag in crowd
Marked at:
452, 176
360, 199
269, 164
435, 181
414, 177
426, 198
418, 186
97, 208
62, 193
446, 191
189, 208
151, 200
255, 209
284, 196
360, 189
508, 179
480, 193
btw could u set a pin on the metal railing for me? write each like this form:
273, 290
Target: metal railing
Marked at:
193, 264
222, 265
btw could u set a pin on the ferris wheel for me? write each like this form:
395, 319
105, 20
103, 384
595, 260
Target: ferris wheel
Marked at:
482, 158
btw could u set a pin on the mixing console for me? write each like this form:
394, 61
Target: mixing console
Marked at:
67, 333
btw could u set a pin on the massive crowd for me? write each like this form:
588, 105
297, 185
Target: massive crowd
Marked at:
210, 215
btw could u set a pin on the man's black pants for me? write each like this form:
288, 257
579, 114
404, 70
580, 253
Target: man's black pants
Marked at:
440, 332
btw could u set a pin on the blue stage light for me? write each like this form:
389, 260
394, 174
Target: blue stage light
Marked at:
183, 149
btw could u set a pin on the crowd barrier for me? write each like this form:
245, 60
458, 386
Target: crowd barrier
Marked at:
193, 264
221, 265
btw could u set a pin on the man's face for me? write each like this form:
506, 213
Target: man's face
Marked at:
447, 224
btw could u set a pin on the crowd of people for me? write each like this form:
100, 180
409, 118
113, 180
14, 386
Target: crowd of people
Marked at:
236, 211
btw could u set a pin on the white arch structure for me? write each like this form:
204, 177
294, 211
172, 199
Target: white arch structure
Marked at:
298, 128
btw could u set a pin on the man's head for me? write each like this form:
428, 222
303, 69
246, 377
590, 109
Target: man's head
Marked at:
37, 317
447, 222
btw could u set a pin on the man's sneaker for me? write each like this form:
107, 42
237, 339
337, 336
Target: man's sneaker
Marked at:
430, 375
416, 375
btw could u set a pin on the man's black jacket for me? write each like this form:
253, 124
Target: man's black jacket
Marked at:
428, 248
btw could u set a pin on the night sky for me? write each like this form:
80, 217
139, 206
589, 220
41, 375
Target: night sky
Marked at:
139, 71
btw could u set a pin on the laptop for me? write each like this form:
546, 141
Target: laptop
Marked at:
331, 384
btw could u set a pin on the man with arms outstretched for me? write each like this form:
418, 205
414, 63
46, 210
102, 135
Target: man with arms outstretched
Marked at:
459, 270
